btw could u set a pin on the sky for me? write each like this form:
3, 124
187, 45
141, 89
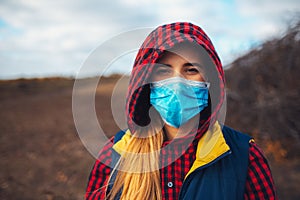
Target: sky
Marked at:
42, 38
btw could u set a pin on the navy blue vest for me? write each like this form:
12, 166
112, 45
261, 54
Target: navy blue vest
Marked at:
222, 179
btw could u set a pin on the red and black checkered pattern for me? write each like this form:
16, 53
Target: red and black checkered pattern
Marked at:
163, 38
177, 158
174, 172
259, 184
100, 173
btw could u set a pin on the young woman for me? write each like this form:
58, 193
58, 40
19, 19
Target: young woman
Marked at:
175, 147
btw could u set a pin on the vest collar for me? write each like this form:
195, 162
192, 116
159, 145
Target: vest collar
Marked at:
210, 148
121, 145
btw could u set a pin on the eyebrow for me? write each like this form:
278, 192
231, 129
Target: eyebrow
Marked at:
184, 65
164, 65
193, 64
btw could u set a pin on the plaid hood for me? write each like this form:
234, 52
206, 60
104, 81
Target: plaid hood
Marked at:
163, 38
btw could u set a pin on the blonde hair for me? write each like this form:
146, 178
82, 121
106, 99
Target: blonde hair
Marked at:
138, 168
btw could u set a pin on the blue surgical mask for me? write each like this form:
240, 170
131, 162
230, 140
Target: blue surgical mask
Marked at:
178, 100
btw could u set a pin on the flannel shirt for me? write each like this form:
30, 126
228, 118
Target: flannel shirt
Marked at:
259, 183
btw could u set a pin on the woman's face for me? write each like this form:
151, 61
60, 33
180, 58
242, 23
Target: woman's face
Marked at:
183, 60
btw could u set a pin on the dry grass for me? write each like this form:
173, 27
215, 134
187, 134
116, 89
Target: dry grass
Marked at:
42, 156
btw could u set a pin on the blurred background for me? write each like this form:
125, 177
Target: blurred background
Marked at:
43, 45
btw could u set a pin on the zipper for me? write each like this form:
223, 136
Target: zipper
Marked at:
189, 177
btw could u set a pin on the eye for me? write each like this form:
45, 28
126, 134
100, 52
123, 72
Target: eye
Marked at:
192, 70
161, 71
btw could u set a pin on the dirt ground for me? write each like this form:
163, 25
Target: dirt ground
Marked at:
42, 156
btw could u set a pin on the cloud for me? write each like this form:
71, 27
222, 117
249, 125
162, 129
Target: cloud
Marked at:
52, 38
